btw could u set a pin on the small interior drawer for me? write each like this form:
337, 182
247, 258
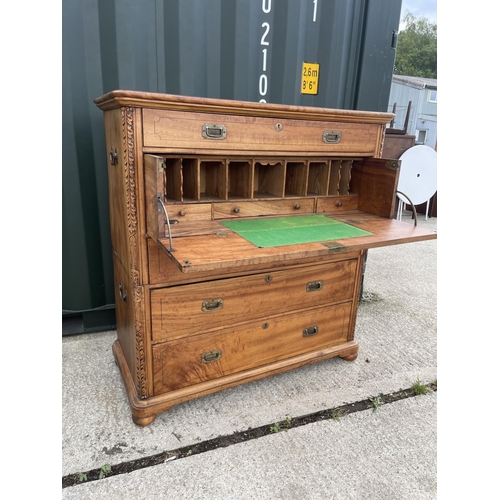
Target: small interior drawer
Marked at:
197, 359
190, 309
337, 204
189, 212
239, 208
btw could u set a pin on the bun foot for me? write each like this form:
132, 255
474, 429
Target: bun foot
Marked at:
143, 421
350, 357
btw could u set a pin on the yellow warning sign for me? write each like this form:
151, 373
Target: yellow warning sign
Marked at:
310, 78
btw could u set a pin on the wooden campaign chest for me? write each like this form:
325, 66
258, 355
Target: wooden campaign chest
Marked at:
239, 232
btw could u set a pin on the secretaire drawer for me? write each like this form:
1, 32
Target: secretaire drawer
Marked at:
197, 359
189, 309
186, 131
189, 212
288, 206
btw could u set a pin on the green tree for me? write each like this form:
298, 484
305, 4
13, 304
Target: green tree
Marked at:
416, 53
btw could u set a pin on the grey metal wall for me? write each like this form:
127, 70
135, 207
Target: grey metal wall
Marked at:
402, 95
423, 114
233, 49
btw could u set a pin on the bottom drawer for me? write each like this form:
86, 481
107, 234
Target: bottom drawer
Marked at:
192, 360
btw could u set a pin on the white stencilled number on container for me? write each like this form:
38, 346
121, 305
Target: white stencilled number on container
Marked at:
263, 86
264, 42
315, 11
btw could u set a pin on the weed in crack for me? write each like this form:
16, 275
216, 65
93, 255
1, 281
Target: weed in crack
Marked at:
336, 414
82, 477
105, 470
275, 428
419, 388
377, 401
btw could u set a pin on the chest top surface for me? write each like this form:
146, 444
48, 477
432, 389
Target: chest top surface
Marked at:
127, 98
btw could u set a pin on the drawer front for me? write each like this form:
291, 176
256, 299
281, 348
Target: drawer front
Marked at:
337, 204
186, 362
184, 310
289, 206
184, 131
190, 212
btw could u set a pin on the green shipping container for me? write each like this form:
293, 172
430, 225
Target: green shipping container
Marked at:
250, 50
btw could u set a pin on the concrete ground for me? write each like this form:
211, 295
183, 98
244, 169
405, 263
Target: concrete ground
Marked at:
388, 452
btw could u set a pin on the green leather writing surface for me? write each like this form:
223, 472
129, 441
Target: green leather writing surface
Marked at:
280, 231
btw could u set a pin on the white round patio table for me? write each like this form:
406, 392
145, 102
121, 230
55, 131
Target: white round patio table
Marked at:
417, 177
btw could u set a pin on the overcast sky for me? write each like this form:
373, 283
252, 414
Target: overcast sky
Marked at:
421, 8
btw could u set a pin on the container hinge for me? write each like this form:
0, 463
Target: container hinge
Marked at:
394, 42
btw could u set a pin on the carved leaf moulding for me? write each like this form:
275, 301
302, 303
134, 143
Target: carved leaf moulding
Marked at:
130, 187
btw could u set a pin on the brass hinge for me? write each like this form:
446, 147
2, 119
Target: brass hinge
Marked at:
334, 247
393, 164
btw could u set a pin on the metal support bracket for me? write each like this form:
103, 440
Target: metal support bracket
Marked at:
161, 205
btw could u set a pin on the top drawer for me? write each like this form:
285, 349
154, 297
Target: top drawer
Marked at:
186, 132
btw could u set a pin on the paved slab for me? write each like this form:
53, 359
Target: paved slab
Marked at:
396, 330
389, 454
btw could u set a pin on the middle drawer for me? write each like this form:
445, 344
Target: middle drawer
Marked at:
189, 309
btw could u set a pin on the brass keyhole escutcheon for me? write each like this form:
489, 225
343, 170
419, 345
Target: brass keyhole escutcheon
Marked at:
265, 326
268, 278
278, 127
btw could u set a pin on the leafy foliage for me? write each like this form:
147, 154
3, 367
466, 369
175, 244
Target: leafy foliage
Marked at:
416, 53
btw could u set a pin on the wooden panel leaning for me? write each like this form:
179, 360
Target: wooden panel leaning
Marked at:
201, 308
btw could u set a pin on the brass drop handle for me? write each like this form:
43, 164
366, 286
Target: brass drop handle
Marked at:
332, 136
113, 156
213, 131
123, 295
212, 305
309, 332
314, 286
208, 357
